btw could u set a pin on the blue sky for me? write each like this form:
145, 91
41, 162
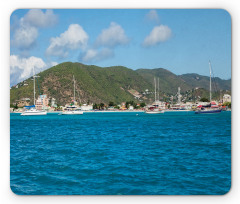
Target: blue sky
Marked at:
182, 41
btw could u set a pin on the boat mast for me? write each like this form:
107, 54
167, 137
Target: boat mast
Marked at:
179, 95
74, 90
158, 88
155, 88
210, 88
34, 92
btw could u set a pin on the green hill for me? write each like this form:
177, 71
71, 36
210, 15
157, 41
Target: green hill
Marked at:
168, 82
117, 84
196, 80
93, 84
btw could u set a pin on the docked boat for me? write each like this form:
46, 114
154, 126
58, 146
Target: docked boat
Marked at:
72, 110
154, 111
212, 107
208, 111
31, 110
154, 108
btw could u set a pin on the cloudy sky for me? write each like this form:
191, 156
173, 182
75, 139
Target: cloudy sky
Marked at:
182, 41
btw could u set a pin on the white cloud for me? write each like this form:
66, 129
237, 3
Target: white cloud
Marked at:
26, 29
22, 68
89, 55
52, 64
37, 18
93, 55
25, 37
105, 43
158, 34
112, 36
73, 38
152, 16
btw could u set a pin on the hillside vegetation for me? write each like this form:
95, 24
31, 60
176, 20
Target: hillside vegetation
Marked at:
117, 84
93, 84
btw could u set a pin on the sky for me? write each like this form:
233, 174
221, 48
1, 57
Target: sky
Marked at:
179, 40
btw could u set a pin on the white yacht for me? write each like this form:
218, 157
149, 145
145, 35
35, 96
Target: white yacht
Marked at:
72, 110
212, 107
34, 111
154, 109
31, 110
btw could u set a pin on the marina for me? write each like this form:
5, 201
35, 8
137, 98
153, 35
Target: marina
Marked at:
120, 101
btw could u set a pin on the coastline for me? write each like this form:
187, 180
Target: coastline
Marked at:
115, 111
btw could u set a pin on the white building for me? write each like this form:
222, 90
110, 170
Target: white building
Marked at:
53, 102
42, 102
131, 108
86, 107
226, 98
160, 104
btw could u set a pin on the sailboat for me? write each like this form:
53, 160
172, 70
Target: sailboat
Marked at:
31, 110
73, 110
211, 108
154, 109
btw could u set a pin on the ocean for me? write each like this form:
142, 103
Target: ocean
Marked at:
174, 153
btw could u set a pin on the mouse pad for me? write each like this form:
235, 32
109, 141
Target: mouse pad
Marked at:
120, 102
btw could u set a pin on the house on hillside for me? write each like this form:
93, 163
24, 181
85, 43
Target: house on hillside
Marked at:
23, 102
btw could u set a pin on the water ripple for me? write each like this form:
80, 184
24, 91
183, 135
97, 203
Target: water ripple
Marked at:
121, 154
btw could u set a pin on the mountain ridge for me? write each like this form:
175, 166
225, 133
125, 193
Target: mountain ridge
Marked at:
96, 84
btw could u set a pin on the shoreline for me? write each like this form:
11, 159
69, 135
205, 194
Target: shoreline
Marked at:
115, 111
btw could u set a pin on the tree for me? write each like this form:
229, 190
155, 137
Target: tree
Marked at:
116, 106
142, 105
204, 100
111, 103
101, 105
135, 106
95, 106
127, 104
58, 107
228, 104
131, 103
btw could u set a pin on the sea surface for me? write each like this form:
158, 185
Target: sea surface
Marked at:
175, 153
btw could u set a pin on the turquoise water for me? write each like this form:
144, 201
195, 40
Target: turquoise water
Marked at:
121, 154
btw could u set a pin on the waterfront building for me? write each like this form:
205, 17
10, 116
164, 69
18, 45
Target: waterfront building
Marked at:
188, 105
42, 102
130, 108
226, 98
53, 103
175, 107
111, 108
160, 104
123, 106
86, 107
